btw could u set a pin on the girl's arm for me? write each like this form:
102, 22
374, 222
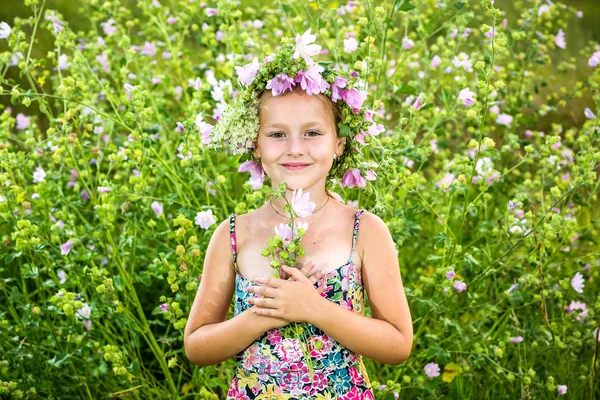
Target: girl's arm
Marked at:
388, 336
209, 338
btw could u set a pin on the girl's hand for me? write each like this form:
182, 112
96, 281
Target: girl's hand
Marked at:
306, 269
292, 300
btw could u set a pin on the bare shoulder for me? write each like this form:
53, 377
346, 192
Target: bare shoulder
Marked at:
374, 234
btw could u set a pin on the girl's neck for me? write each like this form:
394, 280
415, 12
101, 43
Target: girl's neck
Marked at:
317, 196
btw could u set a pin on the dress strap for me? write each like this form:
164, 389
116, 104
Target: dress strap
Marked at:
357, 216
233, 241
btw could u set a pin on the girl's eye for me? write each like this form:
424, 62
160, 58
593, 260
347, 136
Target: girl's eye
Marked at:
315, 132
275, 134
279, 134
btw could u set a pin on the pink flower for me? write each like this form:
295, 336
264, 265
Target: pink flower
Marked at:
460, 286
157, 208
280, 84
63, 62
336, 88
311, 80
301, 204
504, 119
149, 49
594, 59
467, 97
180, 128
103, 189
204, 128
103, 61
577, 282
248, 72
255, 169
559, 40
561, 389
445, 182
543, 9
432, 370
375, 129
66, 248
164, 307
517, 339
354, 98
512, 288
284, 232
370, 175
304, 48
353, 178
350, 45
436, 61
205, 219
577, 305
450, 275
417, 104
172, 20
407, 43
22, 121
211, 11
108, 27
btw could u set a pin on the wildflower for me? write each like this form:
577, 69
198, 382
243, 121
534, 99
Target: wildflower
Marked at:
545, 8
450, 275
248, 72
39, 175
353, 178
62, 276
462, 60
23, 122
205, 219
84, 312
280, 84
304, 48
350, 45
301, 204
311, 80
211, 11
432, 370
172, 20
204, 128
149, 49
336, 90
180, 128
164, 307
417, 104
157, 208
445, 182
467, 97
407, 43
512, 288
370, 175
436, 61
66, 248
103, 61
561, 389
284, 232
577, 282
594, 59
375, 129
255, 184
108, 27
255, 169
589, 114
517, 339
198, 84
354, 98
577, 305
504, 119
257, 24
4, 30
63, 62
103, 189
559, 40
460, 286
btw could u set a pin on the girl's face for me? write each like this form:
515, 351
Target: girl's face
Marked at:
297, 128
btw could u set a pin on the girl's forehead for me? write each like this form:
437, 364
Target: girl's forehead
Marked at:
294, 108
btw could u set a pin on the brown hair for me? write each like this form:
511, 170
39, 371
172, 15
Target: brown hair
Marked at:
335, 113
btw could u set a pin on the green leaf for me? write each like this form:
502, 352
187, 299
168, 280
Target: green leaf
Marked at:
459, 5
405, 5
345, 130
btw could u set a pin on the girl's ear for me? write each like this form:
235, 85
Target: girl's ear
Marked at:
339, 147
256, 151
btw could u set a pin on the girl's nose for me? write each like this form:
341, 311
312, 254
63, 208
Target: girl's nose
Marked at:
296, 144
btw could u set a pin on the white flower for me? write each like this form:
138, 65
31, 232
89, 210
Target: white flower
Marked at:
350, 45
589, 114
304, 48
84, 312
205, 219
4, 30
577, 282
39, 175
467, 97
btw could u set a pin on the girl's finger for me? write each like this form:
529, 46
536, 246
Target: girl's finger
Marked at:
323, 286
307, 268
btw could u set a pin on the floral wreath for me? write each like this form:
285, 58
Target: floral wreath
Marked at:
237, 127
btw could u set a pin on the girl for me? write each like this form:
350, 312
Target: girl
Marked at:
299, 143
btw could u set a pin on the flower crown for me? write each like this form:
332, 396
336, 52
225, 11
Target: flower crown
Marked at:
237, 127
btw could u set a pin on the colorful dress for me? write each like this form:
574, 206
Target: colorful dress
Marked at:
274, 366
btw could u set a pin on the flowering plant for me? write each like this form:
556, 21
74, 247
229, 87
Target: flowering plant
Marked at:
293, 66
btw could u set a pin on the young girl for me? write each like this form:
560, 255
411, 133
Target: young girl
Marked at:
299, 143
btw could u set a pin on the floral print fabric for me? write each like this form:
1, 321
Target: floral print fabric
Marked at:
274, 367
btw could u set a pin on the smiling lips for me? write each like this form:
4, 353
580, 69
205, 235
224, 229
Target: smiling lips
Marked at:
295, 166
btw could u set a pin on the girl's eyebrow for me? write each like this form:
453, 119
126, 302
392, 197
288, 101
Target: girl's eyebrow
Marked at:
283, 125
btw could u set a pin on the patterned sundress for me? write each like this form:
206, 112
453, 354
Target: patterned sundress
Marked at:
274, 366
